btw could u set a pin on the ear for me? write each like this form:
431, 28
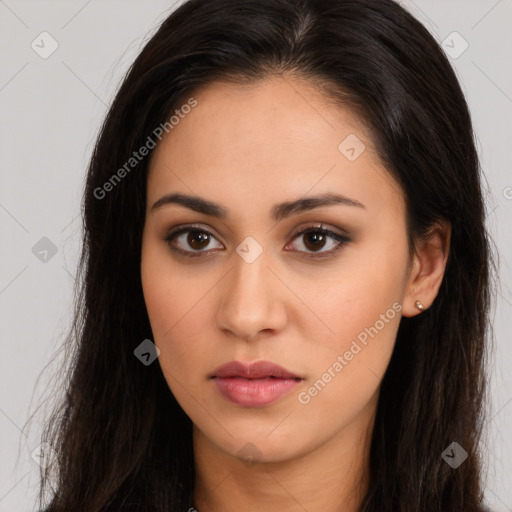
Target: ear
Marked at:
427, 269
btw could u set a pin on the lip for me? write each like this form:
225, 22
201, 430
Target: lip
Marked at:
254, 370
254, 384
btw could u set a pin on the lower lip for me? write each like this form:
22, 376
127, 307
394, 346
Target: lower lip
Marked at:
254, 392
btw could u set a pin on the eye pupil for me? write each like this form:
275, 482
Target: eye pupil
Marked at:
316, 238
198, 239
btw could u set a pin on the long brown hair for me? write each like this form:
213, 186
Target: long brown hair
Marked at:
120, 438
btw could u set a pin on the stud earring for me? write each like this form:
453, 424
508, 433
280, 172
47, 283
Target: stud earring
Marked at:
419, 305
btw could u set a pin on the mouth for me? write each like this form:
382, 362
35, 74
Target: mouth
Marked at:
255, 384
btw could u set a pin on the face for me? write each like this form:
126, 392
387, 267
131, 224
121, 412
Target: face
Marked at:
263, 263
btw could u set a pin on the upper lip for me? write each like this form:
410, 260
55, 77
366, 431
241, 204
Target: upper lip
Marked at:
254, 370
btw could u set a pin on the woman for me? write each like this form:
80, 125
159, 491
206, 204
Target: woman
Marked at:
285, 273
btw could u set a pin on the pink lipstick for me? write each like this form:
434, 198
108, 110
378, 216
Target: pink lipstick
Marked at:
254, 384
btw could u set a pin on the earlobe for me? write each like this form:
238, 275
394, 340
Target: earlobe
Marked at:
428, 269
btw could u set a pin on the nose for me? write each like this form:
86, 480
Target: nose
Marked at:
252, 300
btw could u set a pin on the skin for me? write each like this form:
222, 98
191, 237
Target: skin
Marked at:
247, 148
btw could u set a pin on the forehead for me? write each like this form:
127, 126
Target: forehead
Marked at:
280, 135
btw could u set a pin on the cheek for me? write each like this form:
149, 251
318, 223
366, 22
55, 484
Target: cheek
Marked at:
165, 297
177, 305
345, 375
361, 312
169, 293
367, 290
173, 323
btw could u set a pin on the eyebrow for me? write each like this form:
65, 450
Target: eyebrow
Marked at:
278, 211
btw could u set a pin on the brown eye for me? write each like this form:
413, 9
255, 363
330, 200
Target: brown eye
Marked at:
198, 239
311, 241
189, 240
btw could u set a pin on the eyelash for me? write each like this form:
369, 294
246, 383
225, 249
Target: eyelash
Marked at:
342, 240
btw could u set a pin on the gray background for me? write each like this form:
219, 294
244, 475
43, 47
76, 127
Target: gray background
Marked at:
51, 109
